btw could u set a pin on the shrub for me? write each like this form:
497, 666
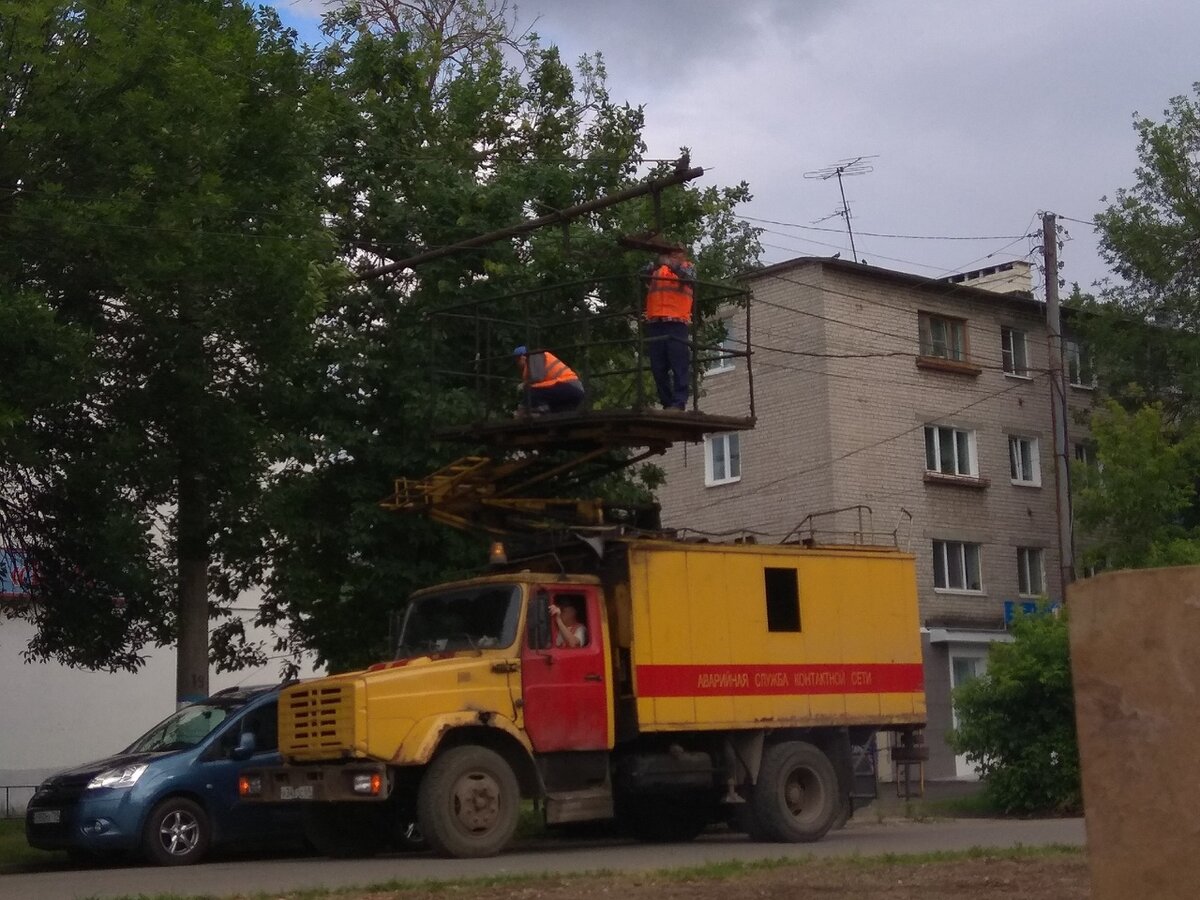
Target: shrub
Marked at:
1017, 721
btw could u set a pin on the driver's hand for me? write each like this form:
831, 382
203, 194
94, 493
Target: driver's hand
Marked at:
554, 610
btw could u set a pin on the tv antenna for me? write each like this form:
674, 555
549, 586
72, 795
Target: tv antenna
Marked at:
858, 165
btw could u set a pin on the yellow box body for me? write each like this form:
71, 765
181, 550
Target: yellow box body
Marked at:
703, 657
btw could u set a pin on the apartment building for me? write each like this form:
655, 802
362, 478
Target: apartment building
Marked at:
921, 410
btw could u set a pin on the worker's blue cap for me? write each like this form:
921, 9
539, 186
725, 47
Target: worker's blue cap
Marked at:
520, 351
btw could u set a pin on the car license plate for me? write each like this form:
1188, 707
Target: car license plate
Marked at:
47, 816
304, 792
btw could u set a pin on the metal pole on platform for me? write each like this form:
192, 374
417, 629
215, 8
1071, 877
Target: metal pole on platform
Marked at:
681, 175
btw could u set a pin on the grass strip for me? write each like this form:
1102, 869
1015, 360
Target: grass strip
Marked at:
713, 871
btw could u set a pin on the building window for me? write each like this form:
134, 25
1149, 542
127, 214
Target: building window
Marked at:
1085, 453
719, 359
783, 599
943, 338
1031, 574
1014, 352
1023, 461
722, 459
950, 451
956, 566
1079, 365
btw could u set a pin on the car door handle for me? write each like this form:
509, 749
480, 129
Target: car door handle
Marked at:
592, 676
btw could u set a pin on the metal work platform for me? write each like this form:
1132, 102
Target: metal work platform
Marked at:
525, 463
653, 429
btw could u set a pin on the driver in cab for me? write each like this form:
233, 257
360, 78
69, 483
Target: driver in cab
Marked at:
568, 630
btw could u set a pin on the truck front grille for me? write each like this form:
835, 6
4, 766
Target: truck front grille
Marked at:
316, 721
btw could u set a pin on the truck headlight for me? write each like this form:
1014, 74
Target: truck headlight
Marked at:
370, 784
120, 777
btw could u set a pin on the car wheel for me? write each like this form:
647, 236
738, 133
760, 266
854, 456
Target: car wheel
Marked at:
177, 833
468, 803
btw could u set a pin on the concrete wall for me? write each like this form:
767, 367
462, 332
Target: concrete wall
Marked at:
1136, 666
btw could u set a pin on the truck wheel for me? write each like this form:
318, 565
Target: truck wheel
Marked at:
663, 819
177, 833
468, 803
346, 830
796, 797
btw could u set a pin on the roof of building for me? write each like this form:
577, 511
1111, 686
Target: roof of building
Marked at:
940, 286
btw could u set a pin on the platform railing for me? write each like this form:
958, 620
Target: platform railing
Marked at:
605, 344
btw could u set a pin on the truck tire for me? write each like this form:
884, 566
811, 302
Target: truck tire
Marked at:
663, 819
176, 833
468, 803
346, 830
795, 799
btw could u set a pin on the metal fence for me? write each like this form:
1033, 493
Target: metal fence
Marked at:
16, 798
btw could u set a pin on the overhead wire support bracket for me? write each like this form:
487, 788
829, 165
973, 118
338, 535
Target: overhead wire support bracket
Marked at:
682, 174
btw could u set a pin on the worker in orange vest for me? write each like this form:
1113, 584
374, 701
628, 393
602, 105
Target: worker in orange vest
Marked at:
548, 382
670, 282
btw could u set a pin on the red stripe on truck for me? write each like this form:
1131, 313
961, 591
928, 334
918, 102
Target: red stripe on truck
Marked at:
768, 680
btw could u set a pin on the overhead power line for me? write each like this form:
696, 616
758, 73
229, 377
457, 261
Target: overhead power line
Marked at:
910, 237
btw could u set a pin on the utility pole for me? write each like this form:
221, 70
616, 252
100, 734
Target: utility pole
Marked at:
1058, 406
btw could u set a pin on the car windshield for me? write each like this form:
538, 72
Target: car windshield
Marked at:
471, 619
184, 730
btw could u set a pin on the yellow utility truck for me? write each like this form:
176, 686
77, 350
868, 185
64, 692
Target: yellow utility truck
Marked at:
664, 683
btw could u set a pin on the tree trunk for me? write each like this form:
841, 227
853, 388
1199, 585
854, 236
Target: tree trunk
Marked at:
191, 672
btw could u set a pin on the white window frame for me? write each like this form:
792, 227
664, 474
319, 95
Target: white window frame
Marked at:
1025, 571
724, 441
954, 351
1016, 464
945, 548
721, 362
1014, 367
1074, 357
936, 446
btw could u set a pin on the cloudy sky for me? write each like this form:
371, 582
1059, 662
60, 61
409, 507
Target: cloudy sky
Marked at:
979, 115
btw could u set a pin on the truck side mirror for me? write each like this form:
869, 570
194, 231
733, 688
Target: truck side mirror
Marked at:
245, 748
539, 620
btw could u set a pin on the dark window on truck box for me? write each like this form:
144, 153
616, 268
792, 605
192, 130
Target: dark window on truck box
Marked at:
783, 599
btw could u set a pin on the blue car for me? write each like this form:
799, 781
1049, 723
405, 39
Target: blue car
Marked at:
173, 793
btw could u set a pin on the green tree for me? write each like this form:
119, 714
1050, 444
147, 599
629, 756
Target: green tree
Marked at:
1143, 330
426, 150
1017, 721
159, 202
1145, 327
1135, 504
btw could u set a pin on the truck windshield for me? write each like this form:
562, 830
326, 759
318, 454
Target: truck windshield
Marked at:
184, 730
470, 619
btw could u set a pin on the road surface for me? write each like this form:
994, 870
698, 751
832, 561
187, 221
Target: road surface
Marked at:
279, 875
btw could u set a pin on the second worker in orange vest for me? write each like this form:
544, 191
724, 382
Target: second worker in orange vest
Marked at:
670, 282
549, 383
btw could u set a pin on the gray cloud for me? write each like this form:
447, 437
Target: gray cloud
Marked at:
981, 113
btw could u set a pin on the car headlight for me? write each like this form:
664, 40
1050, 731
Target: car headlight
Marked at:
120, 777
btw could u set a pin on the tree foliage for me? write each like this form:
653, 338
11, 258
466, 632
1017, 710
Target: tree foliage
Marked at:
1136, 503
206, 402
417, 161
1139, 507
160, 229
1017, 721
1145, 327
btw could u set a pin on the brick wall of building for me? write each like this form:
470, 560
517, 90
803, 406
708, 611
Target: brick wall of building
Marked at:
842, 405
